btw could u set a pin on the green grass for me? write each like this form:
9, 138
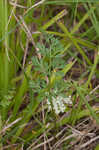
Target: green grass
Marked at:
48, 51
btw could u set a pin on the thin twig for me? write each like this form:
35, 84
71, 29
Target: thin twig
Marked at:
30, 37
32, 145
16, 5
74, 131
35, 5
74, 135
43, 116
10, 125
88, 96
8, 146
25, 53
11, 14
49, 140
89, 142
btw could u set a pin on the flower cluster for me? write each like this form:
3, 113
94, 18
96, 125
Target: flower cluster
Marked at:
58, 104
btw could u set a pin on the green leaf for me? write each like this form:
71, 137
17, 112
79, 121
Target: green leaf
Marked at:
97, 147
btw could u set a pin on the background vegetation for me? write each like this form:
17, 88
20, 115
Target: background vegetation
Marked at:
49, 49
